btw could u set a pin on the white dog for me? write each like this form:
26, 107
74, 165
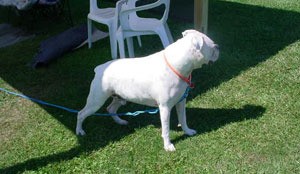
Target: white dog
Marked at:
158, 80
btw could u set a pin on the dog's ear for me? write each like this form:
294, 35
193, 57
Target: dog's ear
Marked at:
186, 32
198, 42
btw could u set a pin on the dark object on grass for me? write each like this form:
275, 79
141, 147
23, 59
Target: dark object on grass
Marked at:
58, 45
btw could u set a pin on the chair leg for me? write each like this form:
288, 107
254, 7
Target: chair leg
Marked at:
130, 47
113, 43
139, 41
89, 27
171, 40
121, 44
164, 38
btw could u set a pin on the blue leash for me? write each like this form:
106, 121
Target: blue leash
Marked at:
148, 111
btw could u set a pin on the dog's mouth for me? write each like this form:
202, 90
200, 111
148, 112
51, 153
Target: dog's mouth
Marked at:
210, 62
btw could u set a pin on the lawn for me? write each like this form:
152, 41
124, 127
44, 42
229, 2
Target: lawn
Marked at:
245, 107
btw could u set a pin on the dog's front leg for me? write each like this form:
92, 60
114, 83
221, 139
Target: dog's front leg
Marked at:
180, 108
165, 125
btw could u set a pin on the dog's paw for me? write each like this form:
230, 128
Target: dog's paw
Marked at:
122, 122
190, 132
169, 148
80, 132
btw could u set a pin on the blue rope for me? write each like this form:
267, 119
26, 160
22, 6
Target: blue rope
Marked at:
136, 113
185, 95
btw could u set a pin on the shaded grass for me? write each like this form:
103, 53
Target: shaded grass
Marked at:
245, 107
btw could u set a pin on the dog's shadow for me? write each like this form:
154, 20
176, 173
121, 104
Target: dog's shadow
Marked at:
207, 120
101, 131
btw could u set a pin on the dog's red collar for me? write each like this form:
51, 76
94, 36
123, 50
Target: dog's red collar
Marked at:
188, 79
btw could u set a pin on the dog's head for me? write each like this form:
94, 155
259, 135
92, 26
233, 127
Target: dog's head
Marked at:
203, 49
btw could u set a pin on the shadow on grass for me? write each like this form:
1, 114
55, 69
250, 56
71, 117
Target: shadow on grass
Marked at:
204, 120
248, 35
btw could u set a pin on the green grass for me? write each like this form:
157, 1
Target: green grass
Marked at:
245, 107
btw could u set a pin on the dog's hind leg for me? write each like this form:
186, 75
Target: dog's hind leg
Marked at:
95, 100
113, 108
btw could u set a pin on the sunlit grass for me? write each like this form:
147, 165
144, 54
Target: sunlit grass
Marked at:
245, 107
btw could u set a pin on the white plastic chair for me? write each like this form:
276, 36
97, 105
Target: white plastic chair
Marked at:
107, 16
133, 25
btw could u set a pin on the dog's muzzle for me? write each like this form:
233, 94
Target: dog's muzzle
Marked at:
215, 54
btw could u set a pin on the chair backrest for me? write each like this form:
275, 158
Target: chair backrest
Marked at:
128, 11
119, 5
132, 4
